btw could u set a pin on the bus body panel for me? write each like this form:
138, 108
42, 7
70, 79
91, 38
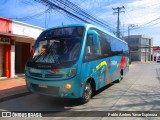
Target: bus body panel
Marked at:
104, 71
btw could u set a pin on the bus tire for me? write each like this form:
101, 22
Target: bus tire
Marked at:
87, 93
121, 76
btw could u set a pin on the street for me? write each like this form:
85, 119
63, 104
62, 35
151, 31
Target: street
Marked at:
138, 91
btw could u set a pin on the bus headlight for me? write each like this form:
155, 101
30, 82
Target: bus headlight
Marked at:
68, 86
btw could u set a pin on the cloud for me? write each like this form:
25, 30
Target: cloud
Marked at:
110, 6
90, 4
137, 12
141, 11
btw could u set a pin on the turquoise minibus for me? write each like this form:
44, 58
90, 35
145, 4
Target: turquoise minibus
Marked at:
74, 61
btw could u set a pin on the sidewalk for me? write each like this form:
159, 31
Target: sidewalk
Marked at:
12, 88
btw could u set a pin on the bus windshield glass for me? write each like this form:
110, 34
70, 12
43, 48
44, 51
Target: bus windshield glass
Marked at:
58, 45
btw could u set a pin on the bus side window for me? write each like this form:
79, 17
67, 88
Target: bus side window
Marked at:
90, 53
105, 46
89, 45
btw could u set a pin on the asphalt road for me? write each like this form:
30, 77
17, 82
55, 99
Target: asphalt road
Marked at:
138, 91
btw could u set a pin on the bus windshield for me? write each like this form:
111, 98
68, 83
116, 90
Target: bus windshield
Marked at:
58, 45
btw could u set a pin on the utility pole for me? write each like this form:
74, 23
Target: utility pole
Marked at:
118, 11
145, 53
146, 50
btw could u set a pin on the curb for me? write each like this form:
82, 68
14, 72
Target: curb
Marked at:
11, 78
14, 96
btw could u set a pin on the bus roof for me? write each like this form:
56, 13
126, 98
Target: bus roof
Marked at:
89, 26
107, 32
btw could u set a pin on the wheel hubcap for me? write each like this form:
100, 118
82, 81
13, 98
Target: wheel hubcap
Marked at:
87, 92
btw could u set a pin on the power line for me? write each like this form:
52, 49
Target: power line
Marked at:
74, 11
67, 16
87, 13
151, 21
83, 13
32, 16
148, 24
52, 5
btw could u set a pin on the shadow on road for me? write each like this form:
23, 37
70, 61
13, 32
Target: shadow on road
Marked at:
34, 102
146, 99
65, 102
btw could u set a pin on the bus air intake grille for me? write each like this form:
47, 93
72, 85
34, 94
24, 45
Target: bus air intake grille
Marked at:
39, 75
49, 90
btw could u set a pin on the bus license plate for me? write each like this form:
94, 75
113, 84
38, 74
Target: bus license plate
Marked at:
43, 85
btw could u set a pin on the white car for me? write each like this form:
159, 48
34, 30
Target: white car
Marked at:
158, 59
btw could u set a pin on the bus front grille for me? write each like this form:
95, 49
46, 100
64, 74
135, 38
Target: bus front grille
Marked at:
46, 75
49, 90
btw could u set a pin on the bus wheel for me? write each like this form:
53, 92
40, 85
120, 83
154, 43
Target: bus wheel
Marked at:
87, 93
121, 76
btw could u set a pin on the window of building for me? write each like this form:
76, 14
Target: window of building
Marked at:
134, 40
134, 48
145, 41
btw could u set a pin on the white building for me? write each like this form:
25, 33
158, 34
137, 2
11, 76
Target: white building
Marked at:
156, 52
16, 41
140, 47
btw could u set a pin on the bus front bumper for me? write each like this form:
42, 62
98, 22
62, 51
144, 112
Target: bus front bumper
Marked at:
59, 88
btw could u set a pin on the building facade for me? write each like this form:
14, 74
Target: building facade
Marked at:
140, 47
16, 41
156, 53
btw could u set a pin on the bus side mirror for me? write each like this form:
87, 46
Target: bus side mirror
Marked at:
93, 35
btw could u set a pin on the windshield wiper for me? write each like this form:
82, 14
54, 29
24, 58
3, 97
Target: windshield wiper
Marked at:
37, 57
53, 54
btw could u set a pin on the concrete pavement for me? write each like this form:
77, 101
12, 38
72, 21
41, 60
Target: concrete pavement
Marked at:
12, 88
15, 87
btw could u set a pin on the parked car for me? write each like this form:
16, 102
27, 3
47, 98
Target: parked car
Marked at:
158, 59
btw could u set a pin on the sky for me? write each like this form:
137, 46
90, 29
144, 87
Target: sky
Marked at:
144, 14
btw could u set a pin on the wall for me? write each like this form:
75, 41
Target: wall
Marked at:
5, 25
1, 60
26, 29
12, 61
29, 34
